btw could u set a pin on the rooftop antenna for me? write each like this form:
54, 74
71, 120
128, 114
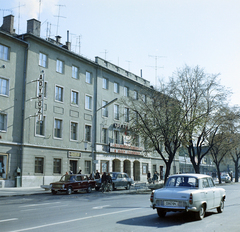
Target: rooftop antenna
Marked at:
128, 65
39, 10
78, 44
18, 14
105, 51
156, 66
58, 16
5, 10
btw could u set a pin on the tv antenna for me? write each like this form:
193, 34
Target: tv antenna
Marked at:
58, 16
18, 14
105, 51
128, 64
156, 66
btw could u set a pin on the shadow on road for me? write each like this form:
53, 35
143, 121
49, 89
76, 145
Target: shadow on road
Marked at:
170, 220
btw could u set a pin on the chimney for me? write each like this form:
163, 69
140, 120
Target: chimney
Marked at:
68, 44
7, 25
58, 38
34, 27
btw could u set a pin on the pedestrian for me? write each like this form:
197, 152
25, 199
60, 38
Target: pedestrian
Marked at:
80, 171
97, 175
104, 178
155, 177
149, 177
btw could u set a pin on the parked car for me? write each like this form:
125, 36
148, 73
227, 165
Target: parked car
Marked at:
188, 192
225, 177
73, 183
119, 180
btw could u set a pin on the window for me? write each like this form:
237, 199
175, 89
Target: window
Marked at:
144, 98
4, 89
42, 60
116, 112
59, 67
105, 83
39, 165
87, 133
74, 129
144, 168
3, 122
126, 114
3, 165
88, 102
58, 128
40, 127
104, 135
59, 93
87, 167
116, 87
75, 72
116, 136
4, 52
135, 95
88, 78
74, 97
105, 109
57, 166
126, 91
136, 140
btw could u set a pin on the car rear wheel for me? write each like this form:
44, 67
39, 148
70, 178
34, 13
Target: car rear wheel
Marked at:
89, 189
201, 213
54, 192
221, 207
69, 191
128, 186
97, 188
161, 213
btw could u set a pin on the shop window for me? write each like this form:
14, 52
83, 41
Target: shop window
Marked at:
57, 166
87, 167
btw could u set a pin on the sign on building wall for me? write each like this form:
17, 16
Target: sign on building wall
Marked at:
40, 96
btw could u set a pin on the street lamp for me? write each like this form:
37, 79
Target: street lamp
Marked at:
94, 130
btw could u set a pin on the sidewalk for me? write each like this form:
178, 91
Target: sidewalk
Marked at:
21, 191
24, 191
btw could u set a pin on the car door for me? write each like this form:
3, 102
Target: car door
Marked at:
124, 180
216, 194
208, 193
118, 180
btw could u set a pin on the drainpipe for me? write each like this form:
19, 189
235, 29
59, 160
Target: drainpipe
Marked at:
23, 103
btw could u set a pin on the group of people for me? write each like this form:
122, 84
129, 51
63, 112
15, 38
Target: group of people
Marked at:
155, 177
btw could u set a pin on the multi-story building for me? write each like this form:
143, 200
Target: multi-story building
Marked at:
52, 118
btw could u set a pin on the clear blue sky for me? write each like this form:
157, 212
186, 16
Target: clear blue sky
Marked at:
132, 33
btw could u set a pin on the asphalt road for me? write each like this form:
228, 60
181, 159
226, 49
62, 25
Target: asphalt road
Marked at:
116, 212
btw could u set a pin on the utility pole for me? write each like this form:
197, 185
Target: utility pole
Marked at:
58, 16
156, 66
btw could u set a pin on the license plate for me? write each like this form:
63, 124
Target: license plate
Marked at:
170, 203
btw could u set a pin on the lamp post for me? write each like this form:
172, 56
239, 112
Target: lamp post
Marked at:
94, 130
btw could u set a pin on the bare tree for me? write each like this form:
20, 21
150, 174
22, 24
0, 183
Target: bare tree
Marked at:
157, 120
201, 99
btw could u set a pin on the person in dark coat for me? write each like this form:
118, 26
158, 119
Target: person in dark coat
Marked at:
97, 175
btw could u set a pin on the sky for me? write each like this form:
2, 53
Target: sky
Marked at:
155, 36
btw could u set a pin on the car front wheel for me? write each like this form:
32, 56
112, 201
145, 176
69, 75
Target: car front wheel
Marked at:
201, 213
69, 190
221, 207
54, 192
128, 186
89, 189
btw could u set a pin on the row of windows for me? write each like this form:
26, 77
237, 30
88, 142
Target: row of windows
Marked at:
57, 165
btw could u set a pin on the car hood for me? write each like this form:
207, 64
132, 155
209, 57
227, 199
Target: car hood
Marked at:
173, 193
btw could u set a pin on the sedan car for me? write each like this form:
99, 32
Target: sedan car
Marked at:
188, 192
119, 180
226, 178
73, 183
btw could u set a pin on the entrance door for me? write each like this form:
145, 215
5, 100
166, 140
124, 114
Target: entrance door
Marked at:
73, 166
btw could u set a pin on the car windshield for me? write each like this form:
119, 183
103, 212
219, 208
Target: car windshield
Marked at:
67, 178
182, 181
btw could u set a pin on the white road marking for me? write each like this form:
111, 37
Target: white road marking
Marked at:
74, 220
100, 207
10, 219
40, 204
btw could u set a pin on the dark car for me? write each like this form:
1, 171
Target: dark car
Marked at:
119, 180
73, 183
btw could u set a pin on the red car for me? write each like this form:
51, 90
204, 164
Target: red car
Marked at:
73, 183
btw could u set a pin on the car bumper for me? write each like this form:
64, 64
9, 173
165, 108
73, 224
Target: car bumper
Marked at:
185, 208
